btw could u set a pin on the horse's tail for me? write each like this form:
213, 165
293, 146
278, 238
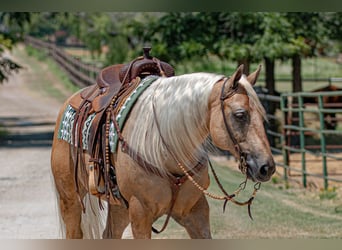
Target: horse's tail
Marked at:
93, 220
61, 232
95, 217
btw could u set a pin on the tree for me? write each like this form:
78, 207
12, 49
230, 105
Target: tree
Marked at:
180, 35
272, 44
309, 36
99, 30
333, 21
238, 34
10, 32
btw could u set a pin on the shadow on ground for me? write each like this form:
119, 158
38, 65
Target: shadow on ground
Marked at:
19, 132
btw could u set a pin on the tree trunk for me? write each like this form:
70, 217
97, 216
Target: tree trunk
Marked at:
296, 87
296, 73
272, 106
269, 73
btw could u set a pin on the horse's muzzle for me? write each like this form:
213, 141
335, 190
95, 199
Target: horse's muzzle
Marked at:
260, 171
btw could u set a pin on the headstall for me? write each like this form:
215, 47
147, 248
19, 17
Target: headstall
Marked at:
176, 182
243, 166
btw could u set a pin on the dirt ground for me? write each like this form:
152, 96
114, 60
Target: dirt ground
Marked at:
313, 166
27, 201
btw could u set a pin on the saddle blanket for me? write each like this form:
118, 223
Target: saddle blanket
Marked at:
68, 119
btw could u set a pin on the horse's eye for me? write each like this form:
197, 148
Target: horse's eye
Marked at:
240, 114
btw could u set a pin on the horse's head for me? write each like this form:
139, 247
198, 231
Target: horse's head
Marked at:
236, 123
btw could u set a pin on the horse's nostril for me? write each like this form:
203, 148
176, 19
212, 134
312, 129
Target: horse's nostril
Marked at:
264, 170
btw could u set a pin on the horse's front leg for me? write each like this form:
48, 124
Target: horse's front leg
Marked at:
196, 222
141, 219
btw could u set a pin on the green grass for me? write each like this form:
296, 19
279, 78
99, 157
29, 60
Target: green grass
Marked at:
319, 67
48, 72
328, 194
312, 68
56, 70
278, 213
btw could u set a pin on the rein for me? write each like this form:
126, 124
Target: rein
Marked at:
242, 161
177, 181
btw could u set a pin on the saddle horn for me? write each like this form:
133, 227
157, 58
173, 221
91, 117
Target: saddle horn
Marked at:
143, 66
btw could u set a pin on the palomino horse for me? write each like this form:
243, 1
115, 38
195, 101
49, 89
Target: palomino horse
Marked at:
169, 127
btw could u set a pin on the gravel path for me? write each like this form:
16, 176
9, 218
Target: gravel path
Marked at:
27, 200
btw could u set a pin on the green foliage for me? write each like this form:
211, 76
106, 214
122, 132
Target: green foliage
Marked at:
117, 50
334, 22
38, 54
233, 35
275, 40
5, 43
7, 66
11, 27
13, 24
183, 35
275, 180
211, 64
44, 24
179, 37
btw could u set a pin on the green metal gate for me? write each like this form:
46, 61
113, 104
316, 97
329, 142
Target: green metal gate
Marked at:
295, 132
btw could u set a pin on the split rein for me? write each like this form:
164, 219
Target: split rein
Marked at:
242, 162
188, 174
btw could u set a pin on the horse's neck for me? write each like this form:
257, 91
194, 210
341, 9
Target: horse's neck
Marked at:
181, 111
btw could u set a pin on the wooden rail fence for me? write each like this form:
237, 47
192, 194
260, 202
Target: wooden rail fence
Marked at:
80, 73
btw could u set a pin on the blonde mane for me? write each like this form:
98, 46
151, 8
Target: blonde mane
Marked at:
181, 108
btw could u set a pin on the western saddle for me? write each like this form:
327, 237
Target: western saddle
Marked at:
113, 85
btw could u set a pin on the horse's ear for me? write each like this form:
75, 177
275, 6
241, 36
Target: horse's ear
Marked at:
237, 75
253, 77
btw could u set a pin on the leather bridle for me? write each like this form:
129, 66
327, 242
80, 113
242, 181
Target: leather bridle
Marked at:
188, 174
243, 166
242, 155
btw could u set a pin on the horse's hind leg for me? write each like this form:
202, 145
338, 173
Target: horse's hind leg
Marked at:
196, 222
71, 212
117, 221
70, 207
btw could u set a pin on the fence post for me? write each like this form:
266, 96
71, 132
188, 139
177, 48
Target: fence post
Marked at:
302, 137
283, 137
323, 143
